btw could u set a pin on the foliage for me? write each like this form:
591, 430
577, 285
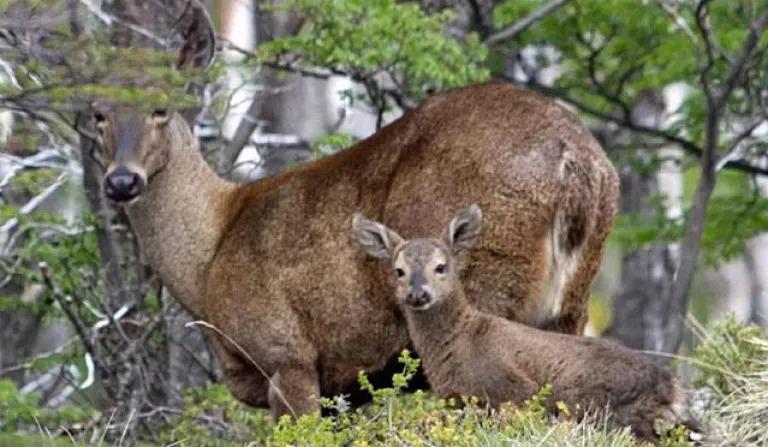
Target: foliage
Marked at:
381, 41
732, 220
53, 66
212, 417
22, 411
29, 183
104, 72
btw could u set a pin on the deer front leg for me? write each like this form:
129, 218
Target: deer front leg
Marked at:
243, 379
294, 390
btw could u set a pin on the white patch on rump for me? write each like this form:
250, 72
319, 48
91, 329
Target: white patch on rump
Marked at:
562, 267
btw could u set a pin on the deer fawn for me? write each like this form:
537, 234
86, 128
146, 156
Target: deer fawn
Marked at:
272, 266
467, 352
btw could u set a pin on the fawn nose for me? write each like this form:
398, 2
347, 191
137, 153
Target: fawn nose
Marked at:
122, 185
418, 298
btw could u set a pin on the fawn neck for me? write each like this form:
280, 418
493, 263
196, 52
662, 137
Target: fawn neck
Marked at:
431, 330
179, 220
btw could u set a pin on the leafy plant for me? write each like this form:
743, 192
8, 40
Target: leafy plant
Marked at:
399, 52
19, 411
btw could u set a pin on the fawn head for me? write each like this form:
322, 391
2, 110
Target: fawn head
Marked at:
424, 271
135, 141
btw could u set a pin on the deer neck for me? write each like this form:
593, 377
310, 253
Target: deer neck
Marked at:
434, 329
178, 222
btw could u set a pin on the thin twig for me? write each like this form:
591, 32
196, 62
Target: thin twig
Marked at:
79, 326
736, 69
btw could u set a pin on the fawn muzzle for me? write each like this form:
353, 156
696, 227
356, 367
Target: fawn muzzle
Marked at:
418, 298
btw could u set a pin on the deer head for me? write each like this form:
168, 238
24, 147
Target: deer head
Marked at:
424, 270
136, 141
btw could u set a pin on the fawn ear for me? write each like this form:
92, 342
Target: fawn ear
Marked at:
377, 240
464, 229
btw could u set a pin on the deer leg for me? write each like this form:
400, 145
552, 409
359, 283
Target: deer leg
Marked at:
294, 390
243, 379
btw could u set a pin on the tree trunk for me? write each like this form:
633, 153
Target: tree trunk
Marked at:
289, 105
641, 304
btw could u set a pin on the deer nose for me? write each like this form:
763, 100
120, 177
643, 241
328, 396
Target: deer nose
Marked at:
418, 298
122, 185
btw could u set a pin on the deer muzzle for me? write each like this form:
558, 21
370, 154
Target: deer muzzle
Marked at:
122, 185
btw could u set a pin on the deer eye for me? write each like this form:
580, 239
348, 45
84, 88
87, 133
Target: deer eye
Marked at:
400, 273
99, 117
160, 112
440, 268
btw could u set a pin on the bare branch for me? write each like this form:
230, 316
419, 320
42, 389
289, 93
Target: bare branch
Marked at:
33, 204
670, 8
689, 146
733, 152
512, 31
109, 19
702, 23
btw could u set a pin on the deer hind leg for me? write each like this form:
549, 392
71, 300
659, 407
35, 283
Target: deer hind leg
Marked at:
243, 379
294, 390
581, 227
572, 315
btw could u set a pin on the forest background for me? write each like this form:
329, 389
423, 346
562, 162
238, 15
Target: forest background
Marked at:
92, 348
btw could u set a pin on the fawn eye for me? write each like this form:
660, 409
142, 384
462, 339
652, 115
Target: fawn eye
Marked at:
99, 117
440, 268
400, 273
160, 112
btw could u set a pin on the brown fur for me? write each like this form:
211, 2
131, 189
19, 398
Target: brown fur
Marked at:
466, 352
272, 266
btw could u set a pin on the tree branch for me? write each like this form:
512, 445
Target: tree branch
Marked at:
735, 71
687, 145
77, 323
513, 30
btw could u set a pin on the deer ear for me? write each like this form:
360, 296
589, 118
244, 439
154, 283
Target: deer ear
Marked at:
199, 38
377, 240
464, 229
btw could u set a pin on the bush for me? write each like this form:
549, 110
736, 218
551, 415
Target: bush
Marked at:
22, 412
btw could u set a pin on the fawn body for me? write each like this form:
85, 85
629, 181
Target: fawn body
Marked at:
467, 352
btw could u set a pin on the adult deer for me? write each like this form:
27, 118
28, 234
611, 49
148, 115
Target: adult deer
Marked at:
271, 264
